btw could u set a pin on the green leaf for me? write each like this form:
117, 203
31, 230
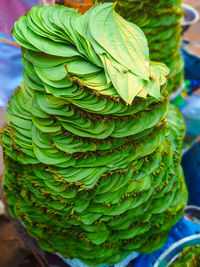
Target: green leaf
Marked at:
127, 84
124, 41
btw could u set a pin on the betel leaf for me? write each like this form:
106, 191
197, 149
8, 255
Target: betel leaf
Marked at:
81, 67
126, 83
19, 36
125, 42
84, 37
48, 46
55, 73
158, 72
153, 89
44, 60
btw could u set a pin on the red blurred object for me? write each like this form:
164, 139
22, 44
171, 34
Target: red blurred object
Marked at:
81, 5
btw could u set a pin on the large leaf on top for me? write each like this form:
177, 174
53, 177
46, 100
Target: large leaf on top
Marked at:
124, 41
126, 83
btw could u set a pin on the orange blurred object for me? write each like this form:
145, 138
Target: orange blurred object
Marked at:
81, 5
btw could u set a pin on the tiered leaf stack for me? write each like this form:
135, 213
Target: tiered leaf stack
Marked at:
92, 163
160, 21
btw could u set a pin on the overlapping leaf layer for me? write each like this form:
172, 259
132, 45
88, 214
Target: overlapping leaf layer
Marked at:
91, 145
160, 21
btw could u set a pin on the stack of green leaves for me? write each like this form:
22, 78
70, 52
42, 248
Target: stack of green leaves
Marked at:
92, 157
160, 21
